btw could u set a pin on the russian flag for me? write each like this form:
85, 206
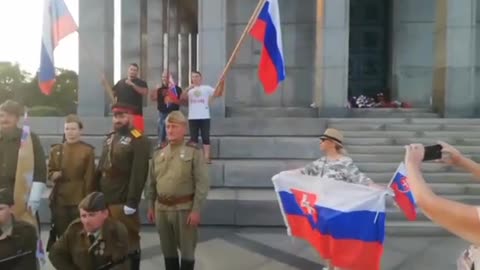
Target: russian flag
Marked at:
172, 90
57, 24
344, 222
266, 29
403, 196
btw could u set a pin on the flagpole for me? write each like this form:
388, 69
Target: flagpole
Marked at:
219, 90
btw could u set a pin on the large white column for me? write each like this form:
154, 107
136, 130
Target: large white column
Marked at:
212, 54
331, 63
95, 55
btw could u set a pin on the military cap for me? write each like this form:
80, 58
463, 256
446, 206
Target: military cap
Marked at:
176, 117
93, 202
73, 118
12, 107
122, 108
6, 197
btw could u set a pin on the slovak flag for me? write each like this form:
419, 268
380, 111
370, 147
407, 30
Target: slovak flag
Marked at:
343, 222
57, 24
271, 69
403, 196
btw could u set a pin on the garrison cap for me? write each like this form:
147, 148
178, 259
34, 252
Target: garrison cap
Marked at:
93, 202
6, 197
122, 108
11, 107
176, 117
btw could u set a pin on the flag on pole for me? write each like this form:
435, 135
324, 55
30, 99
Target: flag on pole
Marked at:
267, 30
57, 24
344, 222
403, 196
172, 90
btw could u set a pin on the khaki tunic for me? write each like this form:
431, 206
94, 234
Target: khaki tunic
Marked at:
9, 145
77, 165
74, 250
177, 171
21, 239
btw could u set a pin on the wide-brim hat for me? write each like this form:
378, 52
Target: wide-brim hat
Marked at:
333, 135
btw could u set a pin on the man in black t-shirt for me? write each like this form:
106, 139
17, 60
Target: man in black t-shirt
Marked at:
130, 91
167, 97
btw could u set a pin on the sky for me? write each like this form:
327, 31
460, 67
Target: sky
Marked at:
21, 32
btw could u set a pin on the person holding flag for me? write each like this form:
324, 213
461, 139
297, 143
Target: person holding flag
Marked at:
167, 97
335, 164
460, 219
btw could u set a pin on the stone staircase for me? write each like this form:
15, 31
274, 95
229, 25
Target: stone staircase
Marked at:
248, 151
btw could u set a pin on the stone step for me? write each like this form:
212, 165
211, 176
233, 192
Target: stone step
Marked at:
271, 112
238, 126
393, 114
416, 228
399, 149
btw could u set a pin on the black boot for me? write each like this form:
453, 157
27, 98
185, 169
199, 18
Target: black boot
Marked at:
187, 265
135, 261
172, 264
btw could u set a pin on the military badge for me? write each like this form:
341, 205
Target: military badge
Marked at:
125, 140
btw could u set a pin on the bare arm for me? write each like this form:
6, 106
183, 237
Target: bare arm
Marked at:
470, 166
458, 218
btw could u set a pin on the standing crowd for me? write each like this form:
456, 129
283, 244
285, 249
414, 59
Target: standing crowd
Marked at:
95, 221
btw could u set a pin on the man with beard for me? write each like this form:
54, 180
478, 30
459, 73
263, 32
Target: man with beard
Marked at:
18, 239
131, 90
22, 163
122, 172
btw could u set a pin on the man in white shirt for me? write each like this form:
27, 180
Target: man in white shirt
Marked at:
199, 97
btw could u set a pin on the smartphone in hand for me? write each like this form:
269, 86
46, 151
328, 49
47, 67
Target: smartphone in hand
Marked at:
432, 152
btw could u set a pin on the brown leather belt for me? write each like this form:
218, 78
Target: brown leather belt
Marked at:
171, 201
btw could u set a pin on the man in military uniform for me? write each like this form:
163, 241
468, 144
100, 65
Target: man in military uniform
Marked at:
18, 239
25, 173
122, 171
178, 187
92, 242
71, 167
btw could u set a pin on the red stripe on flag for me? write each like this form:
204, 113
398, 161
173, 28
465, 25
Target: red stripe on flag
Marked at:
343, 253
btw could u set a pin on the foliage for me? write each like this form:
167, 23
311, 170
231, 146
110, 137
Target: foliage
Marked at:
19, 85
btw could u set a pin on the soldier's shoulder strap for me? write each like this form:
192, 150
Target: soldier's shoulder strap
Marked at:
87, 144
55, 145
193, 145
161, 146
136, 133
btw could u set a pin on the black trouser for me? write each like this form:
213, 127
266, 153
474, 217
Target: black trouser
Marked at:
202, 126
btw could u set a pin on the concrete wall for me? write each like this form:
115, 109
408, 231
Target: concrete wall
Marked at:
298, 29
412, 54
477, 64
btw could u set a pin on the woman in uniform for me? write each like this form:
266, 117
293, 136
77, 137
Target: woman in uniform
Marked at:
71, 166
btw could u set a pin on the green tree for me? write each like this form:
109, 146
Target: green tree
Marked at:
64, 94
18, 84
12, 80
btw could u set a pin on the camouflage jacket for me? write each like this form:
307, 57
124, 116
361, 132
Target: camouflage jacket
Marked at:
342, 169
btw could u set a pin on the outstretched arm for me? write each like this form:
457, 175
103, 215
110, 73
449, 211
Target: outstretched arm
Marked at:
460, 219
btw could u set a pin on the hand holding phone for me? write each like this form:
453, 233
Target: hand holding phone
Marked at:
432, 152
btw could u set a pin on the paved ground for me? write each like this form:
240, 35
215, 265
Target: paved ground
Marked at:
271, 249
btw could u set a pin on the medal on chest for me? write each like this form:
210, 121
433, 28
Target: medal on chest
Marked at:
182, 153
125, 140
99, 249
